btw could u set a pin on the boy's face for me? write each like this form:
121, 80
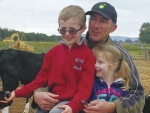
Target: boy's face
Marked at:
71, 24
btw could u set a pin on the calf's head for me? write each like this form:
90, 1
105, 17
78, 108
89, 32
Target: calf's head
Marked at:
2, 95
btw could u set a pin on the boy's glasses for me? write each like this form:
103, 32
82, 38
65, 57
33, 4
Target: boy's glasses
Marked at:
70, 31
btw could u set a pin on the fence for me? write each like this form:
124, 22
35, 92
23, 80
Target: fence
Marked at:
147, 55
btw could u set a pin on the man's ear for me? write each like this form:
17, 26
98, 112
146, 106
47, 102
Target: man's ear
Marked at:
114, 27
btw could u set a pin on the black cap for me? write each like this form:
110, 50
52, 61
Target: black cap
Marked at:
105, 9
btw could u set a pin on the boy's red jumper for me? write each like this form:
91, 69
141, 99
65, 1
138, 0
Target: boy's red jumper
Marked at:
68, 73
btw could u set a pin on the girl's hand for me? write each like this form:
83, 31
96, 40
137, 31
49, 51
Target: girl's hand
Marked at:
12, 96
67, 109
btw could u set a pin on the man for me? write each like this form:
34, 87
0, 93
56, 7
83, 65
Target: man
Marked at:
102, 22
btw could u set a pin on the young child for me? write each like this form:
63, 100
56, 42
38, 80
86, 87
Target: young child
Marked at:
68, 68
112, 74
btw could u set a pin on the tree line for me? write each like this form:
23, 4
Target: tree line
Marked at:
144, 35
37, 37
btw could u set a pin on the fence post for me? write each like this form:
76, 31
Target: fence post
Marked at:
147, 54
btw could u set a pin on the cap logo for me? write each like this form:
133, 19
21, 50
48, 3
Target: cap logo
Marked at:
102, 6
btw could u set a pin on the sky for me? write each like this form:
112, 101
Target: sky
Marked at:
41, 16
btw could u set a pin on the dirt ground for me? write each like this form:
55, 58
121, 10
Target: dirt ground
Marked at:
18, 106
143, 68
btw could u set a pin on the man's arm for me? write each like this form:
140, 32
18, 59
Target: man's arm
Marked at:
136, 108
134, 101
100, 106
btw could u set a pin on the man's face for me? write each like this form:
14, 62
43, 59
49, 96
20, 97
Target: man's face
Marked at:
99, 27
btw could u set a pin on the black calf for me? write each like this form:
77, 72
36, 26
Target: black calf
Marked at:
15, 66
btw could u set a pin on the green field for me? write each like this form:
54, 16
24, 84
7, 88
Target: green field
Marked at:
42, 47
135, 51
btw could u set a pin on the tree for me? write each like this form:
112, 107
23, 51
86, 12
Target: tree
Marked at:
144, 35
38, 37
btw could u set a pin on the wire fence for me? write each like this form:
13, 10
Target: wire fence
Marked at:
136, 51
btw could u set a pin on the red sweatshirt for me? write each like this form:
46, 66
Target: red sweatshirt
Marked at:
69, 73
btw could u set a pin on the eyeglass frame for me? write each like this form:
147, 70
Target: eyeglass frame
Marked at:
69, 31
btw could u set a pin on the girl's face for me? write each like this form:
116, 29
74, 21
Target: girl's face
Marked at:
102, 67
71, 24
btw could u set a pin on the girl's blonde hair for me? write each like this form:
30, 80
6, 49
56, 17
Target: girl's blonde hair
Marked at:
73, 11
113, 55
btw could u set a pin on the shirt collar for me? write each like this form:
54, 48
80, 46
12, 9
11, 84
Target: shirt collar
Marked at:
79, 43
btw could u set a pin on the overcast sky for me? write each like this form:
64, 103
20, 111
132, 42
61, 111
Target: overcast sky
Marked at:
41, 16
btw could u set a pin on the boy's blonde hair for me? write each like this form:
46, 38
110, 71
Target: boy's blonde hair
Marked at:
73, 11
112, 55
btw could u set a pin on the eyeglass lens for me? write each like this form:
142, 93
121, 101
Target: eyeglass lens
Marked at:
71, 31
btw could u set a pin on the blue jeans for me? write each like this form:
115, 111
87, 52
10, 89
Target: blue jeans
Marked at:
53, 110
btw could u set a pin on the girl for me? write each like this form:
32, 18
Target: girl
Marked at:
112, 74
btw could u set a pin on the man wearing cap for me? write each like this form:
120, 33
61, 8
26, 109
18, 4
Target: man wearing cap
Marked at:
102, 22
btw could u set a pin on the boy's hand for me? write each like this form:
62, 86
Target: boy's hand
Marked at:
12, 96
67, 109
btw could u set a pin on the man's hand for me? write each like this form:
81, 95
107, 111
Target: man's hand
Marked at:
45, 100
67, 109
100, 106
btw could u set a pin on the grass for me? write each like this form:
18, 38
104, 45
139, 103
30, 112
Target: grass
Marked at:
40, 47
135, 51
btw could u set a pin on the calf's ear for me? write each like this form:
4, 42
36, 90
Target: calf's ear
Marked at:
7, 94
